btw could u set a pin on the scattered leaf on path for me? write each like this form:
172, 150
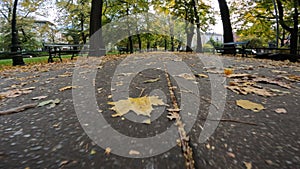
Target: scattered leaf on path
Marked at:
140, 105
107, 151
152, 80
187, 76
201, 75
271, 81
281, 111
248, 165
134, 152
18, 109
93, 152
52, 103
147, 121
67, 88
231, 154
246, 104
228, 71
39, 97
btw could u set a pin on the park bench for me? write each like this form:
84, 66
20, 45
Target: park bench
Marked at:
57, 50
122, 50
233, 48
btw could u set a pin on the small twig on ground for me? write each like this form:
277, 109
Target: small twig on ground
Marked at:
184, 139
232, 120
18, 109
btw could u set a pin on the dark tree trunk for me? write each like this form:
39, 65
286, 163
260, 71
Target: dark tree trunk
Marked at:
190, 35
227, 29
294, 30
140, 42
199, 48
166, 43
15, 48
172, 43
129, 34
97, 47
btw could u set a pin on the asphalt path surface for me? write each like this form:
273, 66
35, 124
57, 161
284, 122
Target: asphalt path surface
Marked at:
53, 137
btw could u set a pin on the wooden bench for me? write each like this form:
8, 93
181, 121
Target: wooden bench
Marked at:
56, 50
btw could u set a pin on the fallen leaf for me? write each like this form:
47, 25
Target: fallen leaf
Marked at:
231, 154
294, 77
269, 162
63, 163
271, 81
140, 105
208, 146
201, 75
279, 71
134, 152
246, 104
93, 152
107, 151
152, 80
187, 76
173, 110
228, 71
248, 165
39, 97
239, 75
52, 103
173, 116
147, 121
67, 88
281, 111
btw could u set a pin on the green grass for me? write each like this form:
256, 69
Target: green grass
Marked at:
44, 59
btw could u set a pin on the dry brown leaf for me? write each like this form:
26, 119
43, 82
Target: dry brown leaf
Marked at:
147, 121
239, 75
231, 154
281, 111
107, 151
39, 97
271, 81
294, 77
173, 110
248, 165
201, 75
67, 88
228, 71
279, 71
140, 105
246, 104
173, 116
134, 152
152, 80
187, 76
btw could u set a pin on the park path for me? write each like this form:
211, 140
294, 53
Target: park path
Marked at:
50, 135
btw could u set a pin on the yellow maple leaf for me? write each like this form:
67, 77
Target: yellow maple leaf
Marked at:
140, 105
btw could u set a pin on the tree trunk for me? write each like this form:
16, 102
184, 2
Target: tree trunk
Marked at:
140, 42
97, 47
199, 48
15, 48
166, 43
227, 29
294, 30
172, 43
189, 39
